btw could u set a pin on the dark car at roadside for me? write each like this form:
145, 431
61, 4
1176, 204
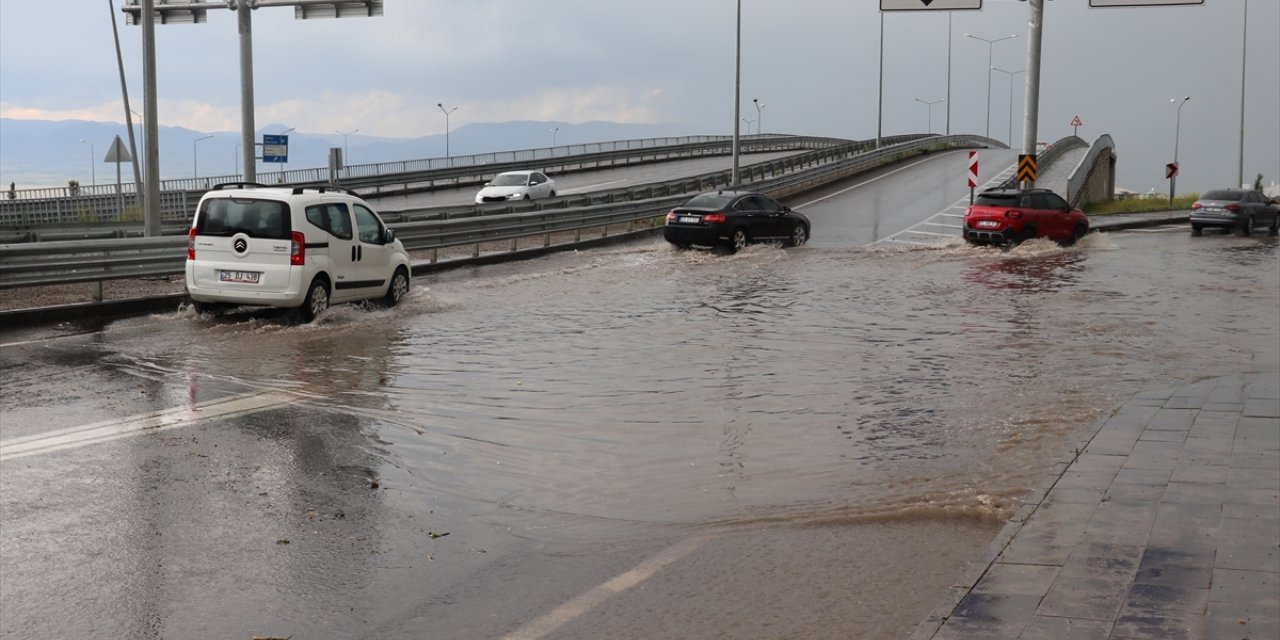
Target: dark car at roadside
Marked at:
1010, 216
734, 219
1239, 210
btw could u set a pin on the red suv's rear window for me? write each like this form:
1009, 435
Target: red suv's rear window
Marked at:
996, 200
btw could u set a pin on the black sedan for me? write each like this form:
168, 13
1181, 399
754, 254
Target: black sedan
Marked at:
732, 219
1240, 209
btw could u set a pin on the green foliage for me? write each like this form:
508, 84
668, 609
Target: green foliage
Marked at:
1141, 204
1257, 183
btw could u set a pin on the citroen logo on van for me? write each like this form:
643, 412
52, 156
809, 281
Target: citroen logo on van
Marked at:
240, 245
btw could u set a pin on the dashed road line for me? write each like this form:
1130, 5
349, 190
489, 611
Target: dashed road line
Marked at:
109, 430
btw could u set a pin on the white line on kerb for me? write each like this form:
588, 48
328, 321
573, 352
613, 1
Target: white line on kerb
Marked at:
109, 430
570, 610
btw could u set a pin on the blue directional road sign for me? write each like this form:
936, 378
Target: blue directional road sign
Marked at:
275, 148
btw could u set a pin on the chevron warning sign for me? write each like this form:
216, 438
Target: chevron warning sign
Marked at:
1026, 167
973, 169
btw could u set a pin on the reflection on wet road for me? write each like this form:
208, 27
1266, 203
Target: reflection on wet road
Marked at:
594, 405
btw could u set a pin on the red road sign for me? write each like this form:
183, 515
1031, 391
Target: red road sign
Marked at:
973, 169
1075, 122
1170, 170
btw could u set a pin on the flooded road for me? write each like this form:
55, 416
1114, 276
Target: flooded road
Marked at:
790, 443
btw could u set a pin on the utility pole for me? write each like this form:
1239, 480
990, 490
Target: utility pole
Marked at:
1031, 108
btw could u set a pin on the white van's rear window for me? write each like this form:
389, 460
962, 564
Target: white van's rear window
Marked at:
255, 218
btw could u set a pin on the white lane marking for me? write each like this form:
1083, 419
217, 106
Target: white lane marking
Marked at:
570, 610
847, 189
959, 204
589, 187
108, 430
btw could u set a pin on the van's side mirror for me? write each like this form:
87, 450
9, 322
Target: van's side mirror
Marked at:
389, 236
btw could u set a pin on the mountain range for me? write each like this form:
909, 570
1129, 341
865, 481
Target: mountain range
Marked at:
46, 153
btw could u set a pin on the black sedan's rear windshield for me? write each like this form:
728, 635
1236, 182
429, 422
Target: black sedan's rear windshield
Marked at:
1223, 194
996, 200
708, 202
256, 218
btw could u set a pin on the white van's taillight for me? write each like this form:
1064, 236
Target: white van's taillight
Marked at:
298, 249
191, 244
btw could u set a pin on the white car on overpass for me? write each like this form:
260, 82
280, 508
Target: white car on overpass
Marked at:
517, 185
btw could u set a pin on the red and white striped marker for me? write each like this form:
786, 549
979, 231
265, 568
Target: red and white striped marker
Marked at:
973, 169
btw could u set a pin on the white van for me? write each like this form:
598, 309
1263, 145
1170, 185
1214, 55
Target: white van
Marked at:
294, 247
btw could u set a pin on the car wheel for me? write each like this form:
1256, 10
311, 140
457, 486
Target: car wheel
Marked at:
1197, 229
316, 302
398, 288
799, 236
1246, 227
1028, 233
1077, 233
738, 241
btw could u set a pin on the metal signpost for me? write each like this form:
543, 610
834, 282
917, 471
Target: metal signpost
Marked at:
148, 12
117, 154
918, 5
1075, 125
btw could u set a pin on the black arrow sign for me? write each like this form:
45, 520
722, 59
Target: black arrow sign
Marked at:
926, 2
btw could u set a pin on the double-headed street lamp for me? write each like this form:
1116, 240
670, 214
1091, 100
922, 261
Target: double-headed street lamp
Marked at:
1177, 130
344, 134
759, 117
93, 169
1011, 74
749, 122
990, 46
446, 127
195, 155
930, 104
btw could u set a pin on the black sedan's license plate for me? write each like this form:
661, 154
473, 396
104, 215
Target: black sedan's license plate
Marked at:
689, 219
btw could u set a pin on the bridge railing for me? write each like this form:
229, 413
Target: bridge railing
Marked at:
102, 204
1084, 169
65, 262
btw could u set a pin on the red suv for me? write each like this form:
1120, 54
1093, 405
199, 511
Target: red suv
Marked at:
1009, 216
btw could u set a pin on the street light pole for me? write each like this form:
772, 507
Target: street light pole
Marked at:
238, 145
949, 73
195, 155
1177, 131
737, 94
1011, 75
93, 170
446, 127
748, 121
345, 158
930, 103
1244, 54
990, 47
554, 132
759, 118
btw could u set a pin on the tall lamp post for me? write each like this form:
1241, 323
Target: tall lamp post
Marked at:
1177, 131
759, 117
195, 155
345, 158
554, 132
93, 169
749, 121
446, 127
930, 104
990, 46
1011, 74
237, 164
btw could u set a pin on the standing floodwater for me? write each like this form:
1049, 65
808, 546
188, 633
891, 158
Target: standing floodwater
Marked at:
414, 465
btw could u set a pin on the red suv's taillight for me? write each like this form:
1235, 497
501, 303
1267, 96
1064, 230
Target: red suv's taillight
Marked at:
713, 218
298, 249
191, 244
1015, 214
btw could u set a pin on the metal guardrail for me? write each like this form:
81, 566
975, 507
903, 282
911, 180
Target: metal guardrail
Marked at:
66, 262
1046, 157
25, 215
1084, 169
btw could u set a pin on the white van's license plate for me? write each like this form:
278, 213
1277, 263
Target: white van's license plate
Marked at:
250, 277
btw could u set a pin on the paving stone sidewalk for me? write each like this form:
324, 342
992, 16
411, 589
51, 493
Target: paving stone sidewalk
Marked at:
1165, 525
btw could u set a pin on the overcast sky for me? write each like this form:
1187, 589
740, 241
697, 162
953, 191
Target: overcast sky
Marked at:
812, 63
